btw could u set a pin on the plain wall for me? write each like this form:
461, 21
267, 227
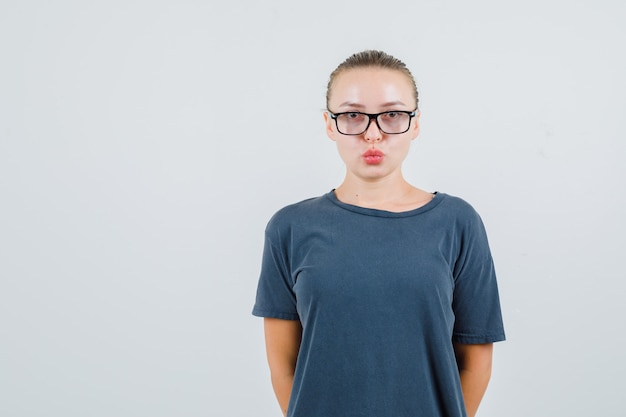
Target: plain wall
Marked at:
144, 145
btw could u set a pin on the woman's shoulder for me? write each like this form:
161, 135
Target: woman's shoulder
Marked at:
454, 201
299, 211
458, 206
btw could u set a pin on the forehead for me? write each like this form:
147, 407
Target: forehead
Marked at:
372, 87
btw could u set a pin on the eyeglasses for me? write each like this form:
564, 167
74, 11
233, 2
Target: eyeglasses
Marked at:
389, 122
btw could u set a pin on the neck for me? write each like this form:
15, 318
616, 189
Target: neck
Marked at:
391, 193
374, 193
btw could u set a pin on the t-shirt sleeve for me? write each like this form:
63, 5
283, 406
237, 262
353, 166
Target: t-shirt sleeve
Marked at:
275, 297
476, 302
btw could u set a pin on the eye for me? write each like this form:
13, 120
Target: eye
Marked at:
353, 116
392, 115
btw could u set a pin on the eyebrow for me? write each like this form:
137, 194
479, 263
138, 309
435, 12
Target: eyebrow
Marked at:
361, 106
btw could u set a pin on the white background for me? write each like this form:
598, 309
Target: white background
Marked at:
145, 144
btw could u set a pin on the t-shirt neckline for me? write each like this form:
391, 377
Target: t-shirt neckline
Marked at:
438, 198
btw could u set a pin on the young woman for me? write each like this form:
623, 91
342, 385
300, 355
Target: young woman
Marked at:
379, 298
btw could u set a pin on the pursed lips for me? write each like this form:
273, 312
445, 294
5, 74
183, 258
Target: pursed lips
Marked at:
373, 156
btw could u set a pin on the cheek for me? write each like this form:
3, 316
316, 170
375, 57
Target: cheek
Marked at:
402, 148
348, 149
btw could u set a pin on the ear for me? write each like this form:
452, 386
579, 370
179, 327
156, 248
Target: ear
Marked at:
330, 131
415, 128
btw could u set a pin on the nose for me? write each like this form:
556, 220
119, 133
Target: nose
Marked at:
373, 133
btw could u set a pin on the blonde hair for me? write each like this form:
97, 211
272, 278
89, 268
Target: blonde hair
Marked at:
371, 58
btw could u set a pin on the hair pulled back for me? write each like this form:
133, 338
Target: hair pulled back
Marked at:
375, 59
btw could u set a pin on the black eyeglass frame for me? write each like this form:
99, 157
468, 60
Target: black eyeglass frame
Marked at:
373, 116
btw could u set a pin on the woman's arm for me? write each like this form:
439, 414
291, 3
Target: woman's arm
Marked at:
282, 342
474, 363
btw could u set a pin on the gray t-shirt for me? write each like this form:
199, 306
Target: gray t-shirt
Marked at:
381, 297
